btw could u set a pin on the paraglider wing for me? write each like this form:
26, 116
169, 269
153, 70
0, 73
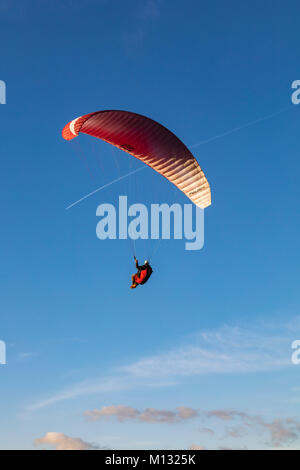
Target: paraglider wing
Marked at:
151, 143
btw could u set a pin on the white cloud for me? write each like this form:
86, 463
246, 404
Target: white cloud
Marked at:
196, 447
62, 442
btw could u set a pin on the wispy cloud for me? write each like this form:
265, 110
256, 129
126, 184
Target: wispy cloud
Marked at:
228, 350
149, 415
226, 415
278, 432
81, 389
236, 432
207, 431
281, 431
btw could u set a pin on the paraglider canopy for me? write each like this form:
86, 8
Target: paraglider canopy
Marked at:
150, 142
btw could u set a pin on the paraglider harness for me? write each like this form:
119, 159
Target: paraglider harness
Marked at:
144, 272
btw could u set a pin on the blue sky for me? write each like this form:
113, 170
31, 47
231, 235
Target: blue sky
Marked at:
206, 345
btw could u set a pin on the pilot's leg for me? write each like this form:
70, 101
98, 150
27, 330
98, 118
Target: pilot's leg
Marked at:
133, 283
